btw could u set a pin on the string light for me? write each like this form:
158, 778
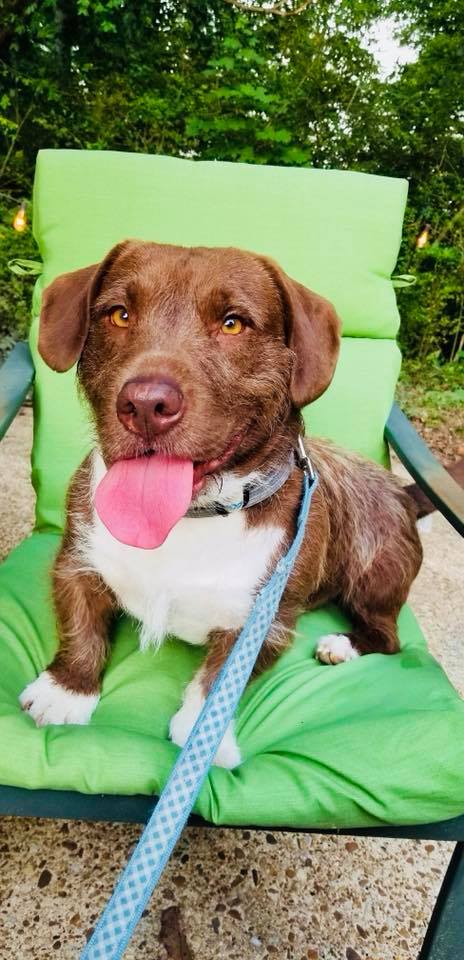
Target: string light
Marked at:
20, 219
423, 237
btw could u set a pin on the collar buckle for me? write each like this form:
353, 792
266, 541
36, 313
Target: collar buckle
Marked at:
302, 459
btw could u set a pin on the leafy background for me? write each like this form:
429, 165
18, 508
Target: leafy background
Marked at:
222, 79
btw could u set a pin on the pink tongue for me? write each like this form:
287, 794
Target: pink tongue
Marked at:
140, 500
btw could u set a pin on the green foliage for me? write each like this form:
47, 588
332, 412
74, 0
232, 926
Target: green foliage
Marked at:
14, 291
433, 391
424, 140
433, 310
208, 80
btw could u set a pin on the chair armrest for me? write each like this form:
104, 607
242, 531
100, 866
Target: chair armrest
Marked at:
428, 472
16, 377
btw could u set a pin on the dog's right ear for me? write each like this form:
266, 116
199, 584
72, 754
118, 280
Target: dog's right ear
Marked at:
65, 313
65, 317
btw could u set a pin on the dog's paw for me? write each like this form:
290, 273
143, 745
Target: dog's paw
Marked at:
228, 753
47, 702
335, 648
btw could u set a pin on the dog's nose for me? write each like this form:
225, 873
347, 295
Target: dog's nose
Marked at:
150, 407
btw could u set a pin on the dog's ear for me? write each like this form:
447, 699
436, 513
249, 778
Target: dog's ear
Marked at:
65, 312
312, 330
64, 318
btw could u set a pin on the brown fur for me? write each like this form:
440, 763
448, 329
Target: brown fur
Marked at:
361, 547
83, 603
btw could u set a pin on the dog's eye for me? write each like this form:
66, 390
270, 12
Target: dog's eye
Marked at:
119, 317
232, 325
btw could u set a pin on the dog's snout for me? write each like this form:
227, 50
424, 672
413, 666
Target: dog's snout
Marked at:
150, 407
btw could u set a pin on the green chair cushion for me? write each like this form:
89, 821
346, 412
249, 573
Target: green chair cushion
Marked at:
377, 740
335, 231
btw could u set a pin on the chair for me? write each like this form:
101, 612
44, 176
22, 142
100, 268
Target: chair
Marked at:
342, 747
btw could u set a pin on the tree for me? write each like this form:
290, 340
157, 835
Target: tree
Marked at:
226, 80
422, 137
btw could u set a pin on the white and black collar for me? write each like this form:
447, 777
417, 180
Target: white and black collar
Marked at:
235, 493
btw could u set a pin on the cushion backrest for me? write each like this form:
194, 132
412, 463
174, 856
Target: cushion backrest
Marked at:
336, 232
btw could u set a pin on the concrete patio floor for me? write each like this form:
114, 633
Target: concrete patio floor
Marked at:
237, 894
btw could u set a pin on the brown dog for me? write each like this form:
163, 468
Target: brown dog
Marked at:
207, 355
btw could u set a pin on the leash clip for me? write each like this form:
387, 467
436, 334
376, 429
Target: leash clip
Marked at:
302, 459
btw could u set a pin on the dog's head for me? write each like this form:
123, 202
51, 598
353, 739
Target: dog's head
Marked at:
195, 352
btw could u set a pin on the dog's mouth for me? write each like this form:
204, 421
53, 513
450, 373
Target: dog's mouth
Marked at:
203, 469
207, 468
140, 499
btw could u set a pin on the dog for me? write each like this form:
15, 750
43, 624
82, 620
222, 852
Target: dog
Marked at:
204, 358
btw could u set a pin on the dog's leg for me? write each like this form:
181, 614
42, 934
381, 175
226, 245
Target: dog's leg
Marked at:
68, 691
372, 633
220, 643
373, 595
373, 607
228, 754
280, 635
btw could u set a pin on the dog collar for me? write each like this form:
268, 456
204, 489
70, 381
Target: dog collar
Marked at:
257, 491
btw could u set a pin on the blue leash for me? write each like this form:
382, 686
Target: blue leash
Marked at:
139, 878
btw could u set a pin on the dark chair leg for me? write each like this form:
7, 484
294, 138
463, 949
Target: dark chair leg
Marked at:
444, 939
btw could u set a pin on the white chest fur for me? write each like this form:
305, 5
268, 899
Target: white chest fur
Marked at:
203, 577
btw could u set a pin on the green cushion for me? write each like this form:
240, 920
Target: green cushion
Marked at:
380, 739
375, 740
337, 232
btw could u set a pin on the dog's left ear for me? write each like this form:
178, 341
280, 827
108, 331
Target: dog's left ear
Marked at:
313, 334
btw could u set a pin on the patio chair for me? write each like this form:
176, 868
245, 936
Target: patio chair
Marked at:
374, 746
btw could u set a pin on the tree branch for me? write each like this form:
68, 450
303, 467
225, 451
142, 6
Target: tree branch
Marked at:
456, 216
15, 137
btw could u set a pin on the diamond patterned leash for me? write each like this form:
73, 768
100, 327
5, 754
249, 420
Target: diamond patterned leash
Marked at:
139, 878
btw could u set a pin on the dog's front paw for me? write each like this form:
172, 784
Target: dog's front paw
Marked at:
335, 648
228, 753
47, 702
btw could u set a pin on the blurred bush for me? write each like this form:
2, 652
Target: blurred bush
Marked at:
15, 292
